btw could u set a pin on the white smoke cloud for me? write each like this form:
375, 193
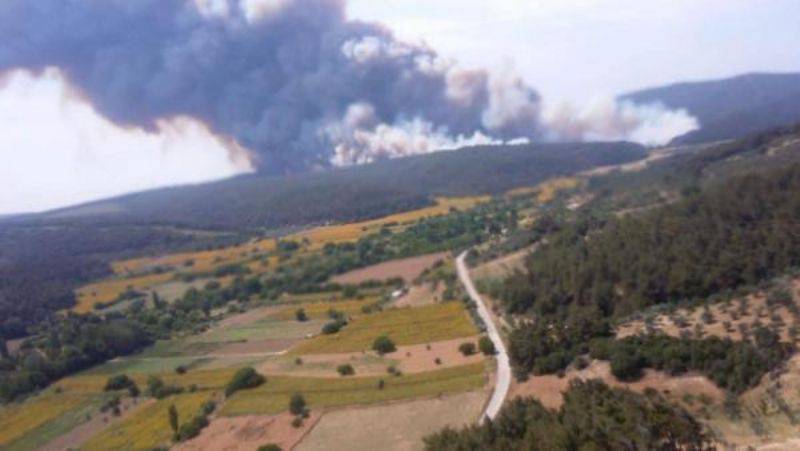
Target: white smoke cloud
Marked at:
605, 119
362, 139
58, 150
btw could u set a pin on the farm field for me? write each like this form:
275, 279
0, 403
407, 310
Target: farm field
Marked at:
404, 326
105, 292
148, 427
200, 261
20, 419
273, 396
407, 269
319, 236
319, 310
393, 427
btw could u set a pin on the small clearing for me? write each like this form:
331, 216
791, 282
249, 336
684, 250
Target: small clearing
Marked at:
549, 389
247, 433
393, 427
418, 295
409, 359
723, 319
407, 269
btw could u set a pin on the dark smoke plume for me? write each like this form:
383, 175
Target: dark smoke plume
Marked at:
294, 81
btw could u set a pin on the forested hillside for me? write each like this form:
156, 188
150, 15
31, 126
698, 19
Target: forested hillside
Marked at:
353, 193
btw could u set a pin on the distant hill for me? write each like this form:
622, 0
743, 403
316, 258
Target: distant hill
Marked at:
346, 194
730, 108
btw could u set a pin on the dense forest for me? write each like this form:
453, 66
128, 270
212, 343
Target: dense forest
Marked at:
737, 233
593, 417
41, 266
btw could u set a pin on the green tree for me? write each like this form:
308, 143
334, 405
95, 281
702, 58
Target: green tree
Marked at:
297, 404
173, 419
486, 346
383, 345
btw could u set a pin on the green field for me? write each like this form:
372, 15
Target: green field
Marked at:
404, 326
273, 397
263, 329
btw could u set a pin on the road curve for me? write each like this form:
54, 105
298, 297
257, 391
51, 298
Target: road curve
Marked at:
503, 368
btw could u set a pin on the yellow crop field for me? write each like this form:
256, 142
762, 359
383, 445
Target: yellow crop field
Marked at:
202, 261
19, 419
404, 326
319, 236
107, 290
203, 379
273, 396
319, 310
148, 427
546, 191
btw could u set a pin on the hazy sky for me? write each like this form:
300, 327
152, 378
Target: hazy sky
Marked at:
574, 49
57, 150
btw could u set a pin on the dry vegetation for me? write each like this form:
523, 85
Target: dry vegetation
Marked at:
19, 419
403, 325
107, 291
393, 427
200, 261
273, 396
407, 269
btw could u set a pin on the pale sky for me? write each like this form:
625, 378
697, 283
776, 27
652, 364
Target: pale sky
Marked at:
575, 49
569, 50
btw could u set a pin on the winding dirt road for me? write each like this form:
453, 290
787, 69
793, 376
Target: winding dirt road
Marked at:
503, 368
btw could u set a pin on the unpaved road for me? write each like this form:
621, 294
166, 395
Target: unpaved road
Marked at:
503, 368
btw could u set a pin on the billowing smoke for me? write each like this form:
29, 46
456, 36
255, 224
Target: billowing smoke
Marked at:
605, 119
293, 81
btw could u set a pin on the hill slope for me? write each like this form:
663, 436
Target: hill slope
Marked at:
351, 193
730, 108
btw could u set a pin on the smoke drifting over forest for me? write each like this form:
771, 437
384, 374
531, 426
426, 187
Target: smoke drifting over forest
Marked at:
294, 82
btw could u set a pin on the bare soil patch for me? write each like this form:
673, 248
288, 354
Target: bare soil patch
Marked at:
393, 427
256, 346
502, 266
248, 317
408, 359
250, 432
406, 268
423, 294
549, 389
99, 421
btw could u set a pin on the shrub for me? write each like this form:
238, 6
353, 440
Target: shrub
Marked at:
157, 389
297, 422
192, 428
243, 379
467, 349
346, 370
297, 405
626, 364
300, 315
333, 327
118, 382
270, 447
383, 345
486, 346
180, 369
